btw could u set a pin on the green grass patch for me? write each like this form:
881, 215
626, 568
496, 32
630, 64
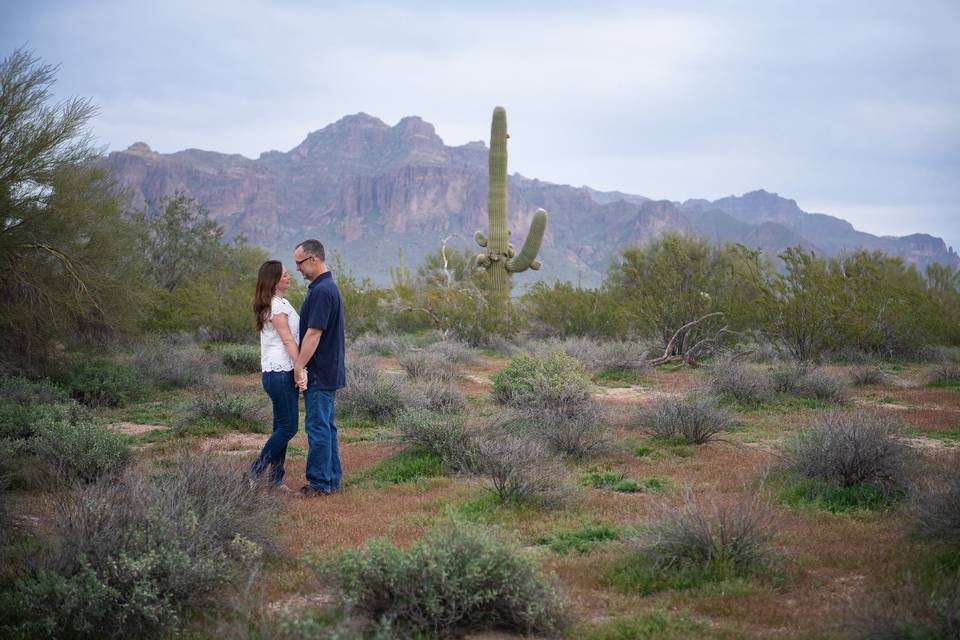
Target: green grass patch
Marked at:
583, 540
616, 481
777, 404
935, 434
613, 378
806, 493
486, 508
357, 422
945, 383
296, 451
653, 625
410, 465
638, 573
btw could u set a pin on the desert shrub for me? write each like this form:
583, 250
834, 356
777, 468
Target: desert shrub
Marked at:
99, 383
79, 451
372, 344
938, 354
914, 610
137, 552
20, 390
532, 381
755, 349
8, 460
945, 374
427, 365
578, 430
19, 421
239, 358
173, 361
443, 435
608, 355
740, 382
234, 411
851, 448
453, 351
695, 418
694, 543
861, 376
459, 578
935, 504
804, 382
435, 395
518, 469
370, 393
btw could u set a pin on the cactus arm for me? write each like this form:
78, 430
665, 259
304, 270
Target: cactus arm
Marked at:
483, 261
480, 238
535, 265
531, 246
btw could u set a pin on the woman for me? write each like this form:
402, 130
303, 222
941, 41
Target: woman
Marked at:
278, 324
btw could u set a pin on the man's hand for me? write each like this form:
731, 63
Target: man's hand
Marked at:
300, 378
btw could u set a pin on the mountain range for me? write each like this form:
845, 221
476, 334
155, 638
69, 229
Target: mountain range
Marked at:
368, 190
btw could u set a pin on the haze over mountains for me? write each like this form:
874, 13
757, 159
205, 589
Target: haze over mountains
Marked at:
367, 189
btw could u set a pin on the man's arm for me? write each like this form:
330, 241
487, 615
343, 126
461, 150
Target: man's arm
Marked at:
308, 346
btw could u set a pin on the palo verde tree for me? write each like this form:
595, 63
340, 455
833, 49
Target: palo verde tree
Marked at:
68, 269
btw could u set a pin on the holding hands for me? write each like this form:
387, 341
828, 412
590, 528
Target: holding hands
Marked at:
300, 378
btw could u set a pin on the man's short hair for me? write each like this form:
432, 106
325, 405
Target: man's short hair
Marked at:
312, 248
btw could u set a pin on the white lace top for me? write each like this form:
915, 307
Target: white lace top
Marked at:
273, 357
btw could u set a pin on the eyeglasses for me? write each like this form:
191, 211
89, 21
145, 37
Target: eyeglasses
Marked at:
300, 262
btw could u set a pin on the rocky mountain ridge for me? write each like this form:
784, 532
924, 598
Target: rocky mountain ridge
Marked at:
366, 189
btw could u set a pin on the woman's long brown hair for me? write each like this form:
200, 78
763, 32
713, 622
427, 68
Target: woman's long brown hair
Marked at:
267, 278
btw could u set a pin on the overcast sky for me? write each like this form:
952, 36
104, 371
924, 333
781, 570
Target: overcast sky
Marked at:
850, 108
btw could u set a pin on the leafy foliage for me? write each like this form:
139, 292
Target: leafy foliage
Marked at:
460, 577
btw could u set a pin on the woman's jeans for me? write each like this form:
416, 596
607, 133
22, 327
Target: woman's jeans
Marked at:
286, 415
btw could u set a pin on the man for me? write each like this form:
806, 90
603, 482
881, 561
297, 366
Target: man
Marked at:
319, 370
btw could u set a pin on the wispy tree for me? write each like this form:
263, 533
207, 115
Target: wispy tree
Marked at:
67, 268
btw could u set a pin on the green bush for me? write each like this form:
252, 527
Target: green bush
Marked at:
19, 421
102, 383
459, 578
79, 451
136, 553
532, 381
239, 358
23, 391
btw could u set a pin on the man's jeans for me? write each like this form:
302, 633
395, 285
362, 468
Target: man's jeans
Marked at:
286, 414
323, 457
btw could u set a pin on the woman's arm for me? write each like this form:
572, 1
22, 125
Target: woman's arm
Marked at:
281, 322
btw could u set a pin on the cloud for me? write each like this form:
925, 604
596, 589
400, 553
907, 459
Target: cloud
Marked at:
849, 103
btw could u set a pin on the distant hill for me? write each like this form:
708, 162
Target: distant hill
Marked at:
366, 189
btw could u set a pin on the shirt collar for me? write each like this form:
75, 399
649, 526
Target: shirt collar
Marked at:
322, 276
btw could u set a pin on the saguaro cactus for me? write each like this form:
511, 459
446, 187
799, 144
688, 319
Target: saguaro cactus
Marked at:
499, 259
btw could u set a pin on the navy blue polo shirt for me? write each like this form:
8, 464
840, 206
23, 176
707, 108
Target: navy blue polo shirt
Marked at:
323, 309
